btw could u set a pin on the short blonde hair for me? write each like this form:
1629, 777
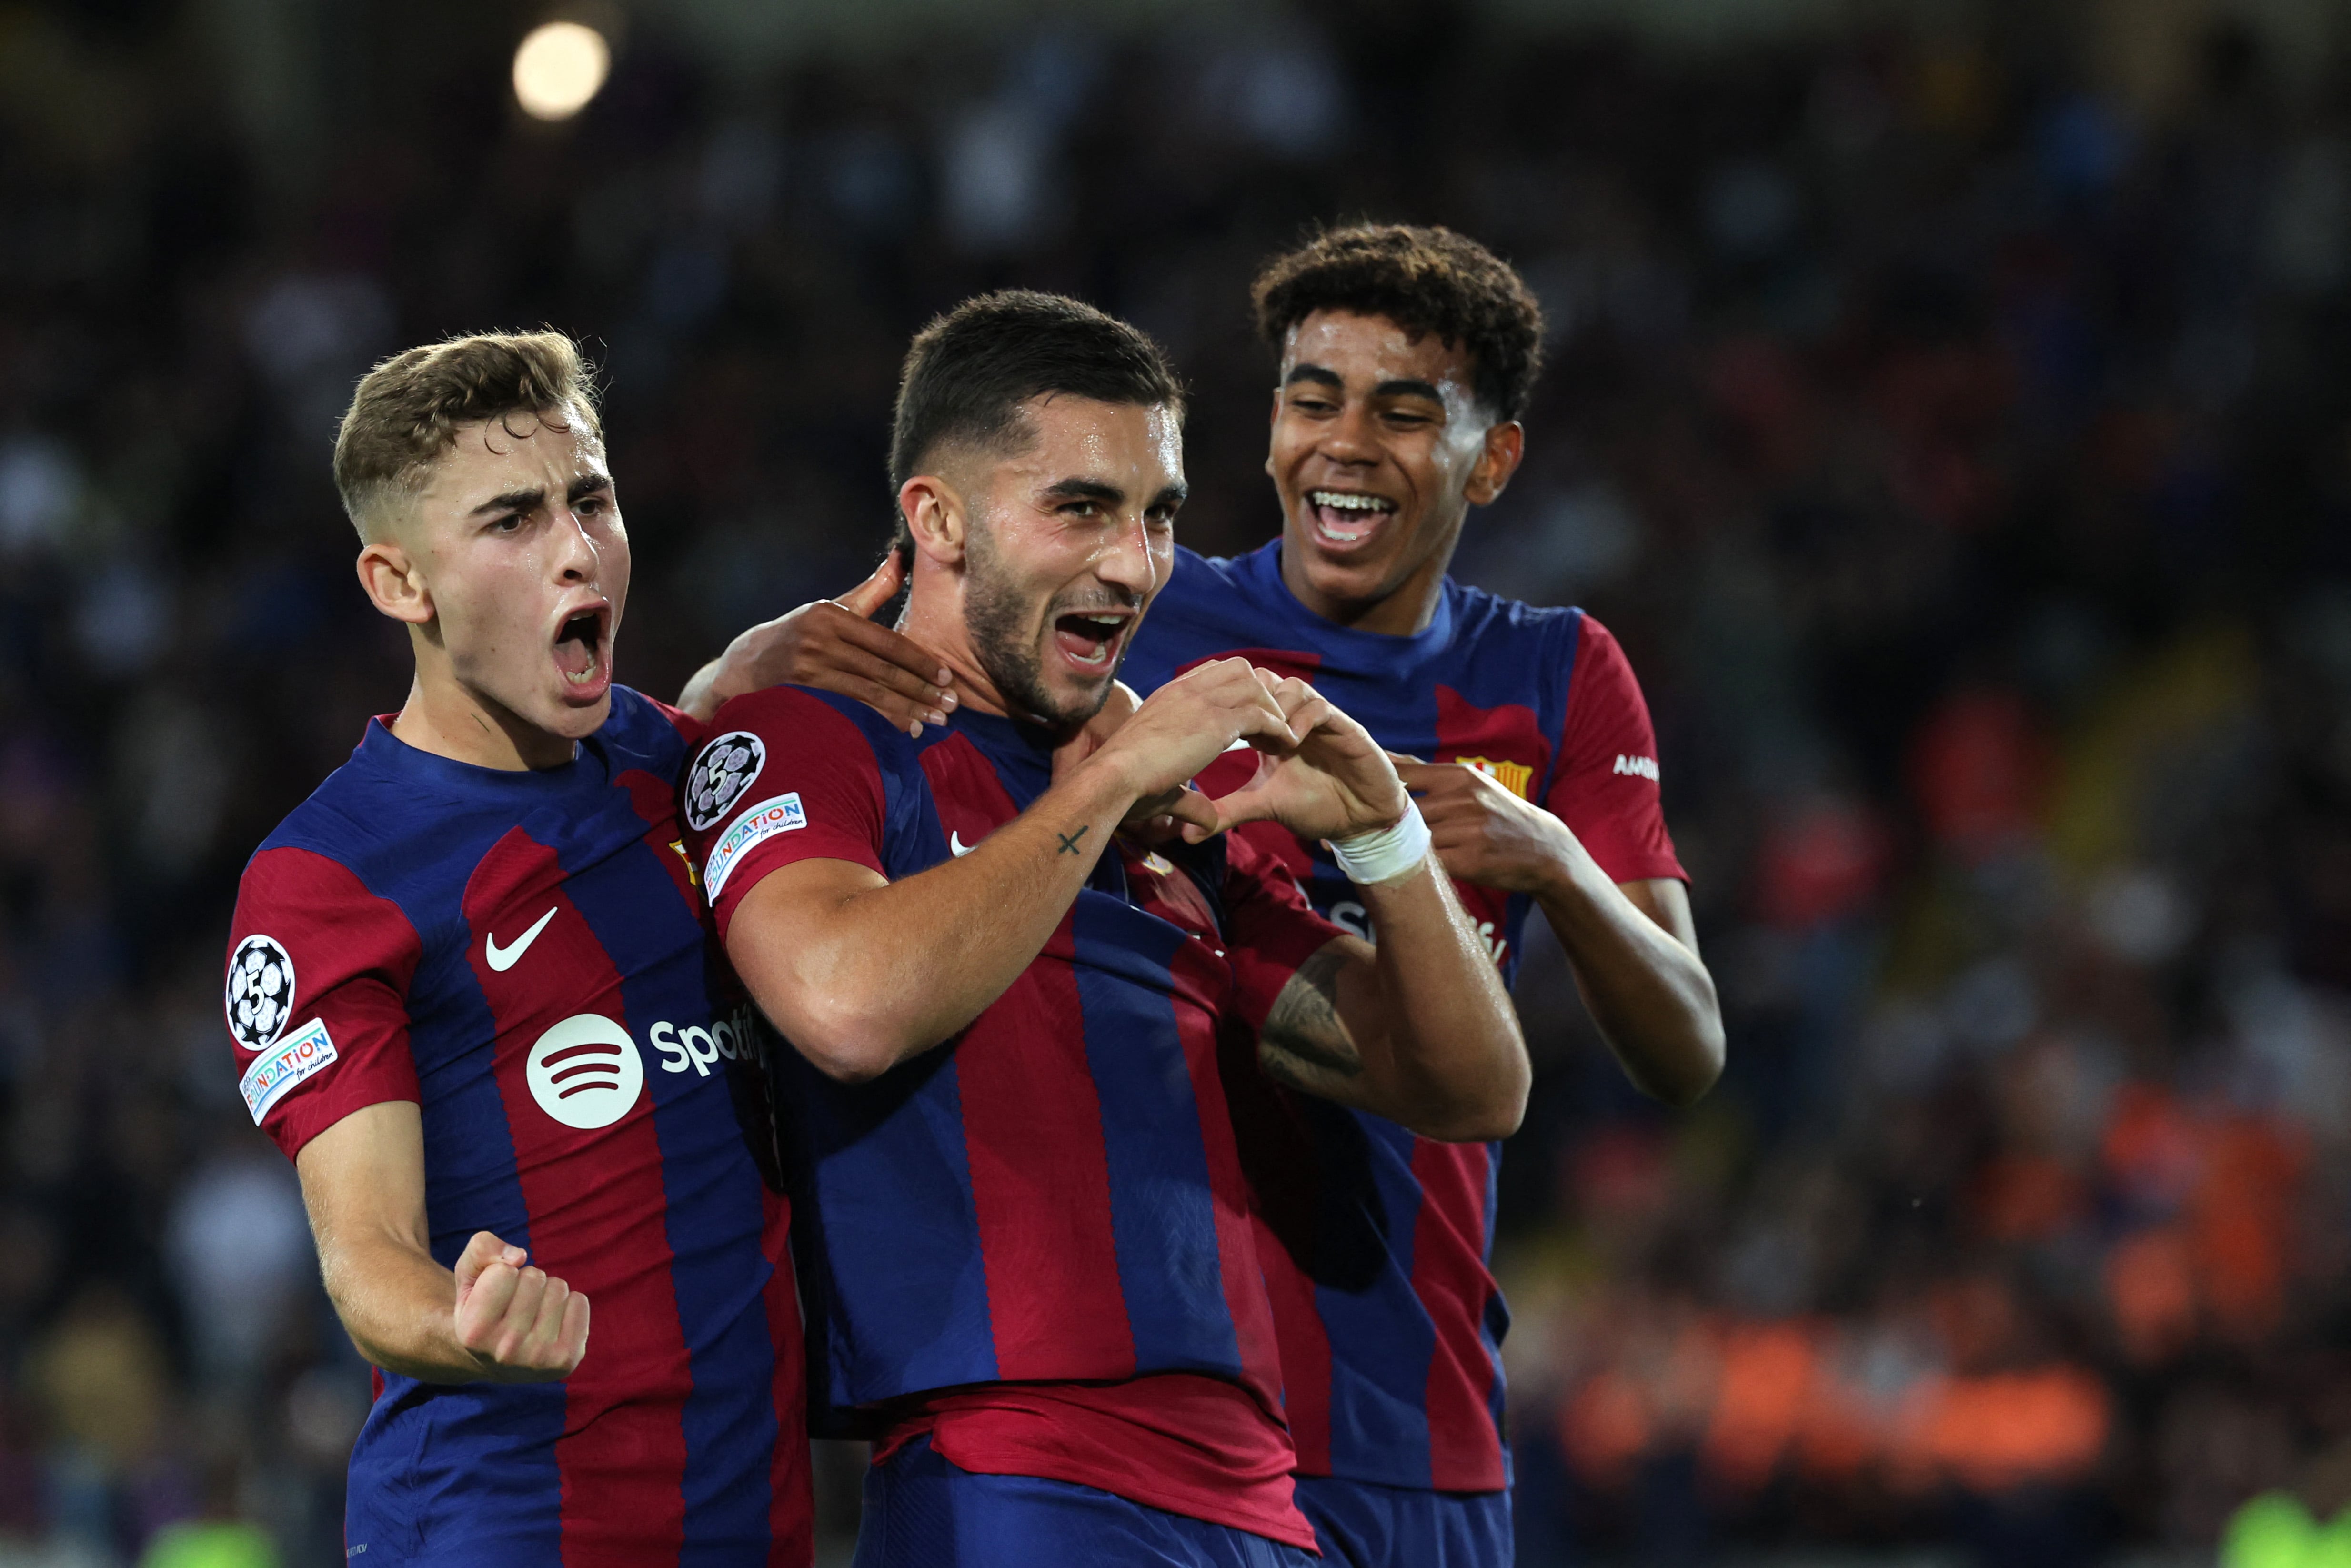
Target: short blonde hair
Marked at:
408, 410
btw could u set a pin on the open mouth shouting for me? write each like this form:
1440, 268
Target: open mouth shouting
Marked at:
1344, 520
583, 652
1091, 639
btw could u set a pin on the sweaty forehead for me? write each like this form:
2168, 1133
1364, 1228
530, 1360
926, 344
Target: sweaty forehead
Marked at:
1372, 349
1128, 444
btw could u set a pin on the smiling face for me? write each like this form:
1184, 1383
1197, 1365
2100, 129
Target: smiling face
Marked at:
511, 566
1379, 450
1037, 565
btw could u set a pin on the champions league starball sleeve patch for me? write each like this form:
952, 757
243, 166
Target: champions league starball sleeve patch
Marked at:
260, 991
727, 768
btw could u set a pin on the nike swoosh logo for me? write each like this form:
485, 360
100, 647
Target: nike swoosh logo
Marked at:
954, 843
503, 958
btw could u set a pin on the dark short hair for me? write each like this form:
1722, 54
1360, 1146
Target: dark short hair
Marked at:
1424, 280
407, 411
970, 370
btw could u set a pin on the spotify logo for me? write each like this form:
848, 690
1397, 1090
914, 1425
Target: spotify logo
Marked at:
585, 1072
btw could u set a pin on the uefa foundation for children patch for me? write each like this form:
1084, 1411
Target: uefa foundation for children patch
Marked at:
763, 821
277, 1069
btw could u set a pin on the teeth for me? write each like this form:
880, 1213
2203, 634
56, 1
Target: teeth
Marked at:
1348, 501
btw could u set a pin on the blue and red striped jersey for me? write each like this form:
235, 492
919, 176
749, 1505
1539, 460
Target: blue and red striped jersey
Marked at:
523, 956
1054, 1196
1388, 1317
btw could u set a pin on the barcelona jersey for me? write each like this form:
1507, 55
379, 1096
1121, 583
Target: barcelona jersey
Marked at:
1032, 1245
523, 956
1388, 1317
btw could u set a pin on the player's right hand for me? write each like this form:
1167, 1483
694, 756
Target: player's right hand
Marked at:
519, 1324
1185, 725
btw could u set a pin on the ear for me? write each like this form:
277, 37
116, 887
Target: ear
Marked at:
1506, 445
1272, 423
393, 583
936, 517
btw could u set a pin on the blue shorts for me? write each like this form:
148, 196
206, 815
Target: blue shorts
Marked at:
924, 1511
1364, 1525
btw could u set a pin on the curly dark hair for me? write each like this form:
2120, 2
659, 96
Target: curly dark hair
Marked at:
1424, 280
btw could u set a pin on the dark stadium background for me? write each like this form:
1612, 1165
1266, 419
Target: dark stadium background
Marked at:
1947, 406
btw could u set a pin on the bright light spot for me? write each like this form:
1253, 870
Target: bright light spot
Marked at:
559, 67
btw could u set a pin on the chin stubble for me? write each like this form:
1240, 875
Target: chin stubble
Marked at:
994, 613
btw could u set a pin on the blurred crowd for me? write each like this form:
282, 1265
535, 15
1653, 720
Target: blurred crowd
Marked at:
1961, 448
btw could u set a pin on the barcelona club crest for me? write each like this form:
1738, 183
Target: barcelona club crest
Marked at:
1515, 776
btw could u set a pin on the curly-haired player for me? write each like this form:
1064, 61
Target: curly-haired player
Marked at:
1406, 358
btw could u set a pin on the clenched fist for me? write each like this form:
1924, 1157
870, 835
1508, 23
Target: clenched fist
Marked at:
519, 1324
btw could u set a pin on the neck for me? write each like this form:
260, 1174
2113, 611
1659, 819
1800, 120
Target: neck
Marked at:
444, 718
938, 627
933, 618
1401, 609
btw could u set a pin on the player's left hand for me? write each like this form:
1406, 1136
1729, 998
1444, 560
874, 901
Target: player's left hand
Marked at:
1336, 784
1482, 833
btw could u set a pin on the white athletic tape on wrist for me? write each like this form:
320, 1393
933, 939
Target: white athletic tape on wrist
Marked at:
1385, 855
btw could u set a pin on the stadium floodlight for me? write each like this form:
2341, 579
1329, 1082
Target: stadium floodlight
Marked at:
559, 66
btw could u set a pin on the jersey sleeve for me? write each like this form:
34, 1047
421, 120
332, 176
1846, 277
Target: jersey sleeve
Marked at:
690, 729
786, 777
316, 995
1270, 927
1606, 785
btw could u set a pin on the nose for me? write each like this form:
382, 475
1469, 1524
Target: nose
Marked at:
574, 559
1351, 438
1125, 558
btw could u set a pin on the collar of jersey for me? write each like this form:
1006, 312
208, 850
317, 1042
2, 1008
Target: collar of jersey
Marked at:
1021, 753
381, 749
1262, 567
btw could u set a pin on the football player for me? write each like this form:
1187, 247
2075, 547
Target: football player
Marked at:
472, 1000
1405, 360
1031, 1270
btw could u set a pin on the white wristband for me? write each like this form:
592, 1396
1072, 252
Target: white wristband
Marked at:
1387, 854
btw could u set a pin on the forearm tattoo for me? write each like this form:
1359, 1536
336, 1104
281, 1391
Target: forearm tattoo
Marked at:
1070, 840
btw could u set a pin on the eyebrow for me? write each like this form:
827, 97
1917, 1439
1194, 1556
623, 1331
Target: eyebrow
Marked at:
1407, 387
1085, 490
1110, 494
531, 499
1402, 386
